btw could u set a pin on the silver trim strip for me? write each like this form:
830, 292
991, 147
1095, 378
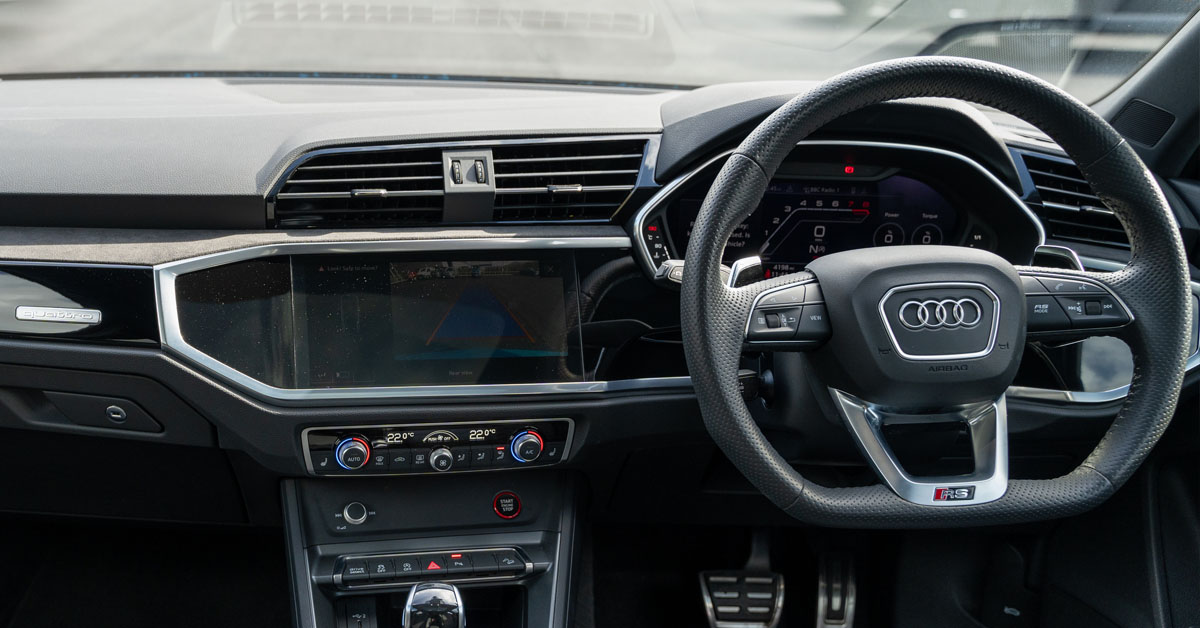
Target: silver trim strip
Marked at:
172, 335
887, 326
73, 315
987, 423
665, 192
368, 473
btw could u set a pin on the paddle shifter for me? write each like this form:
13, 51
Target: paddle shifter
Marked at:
434, 605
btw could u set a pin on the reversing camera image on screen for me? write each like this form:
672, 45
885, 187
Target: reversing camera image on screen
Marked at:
459, 316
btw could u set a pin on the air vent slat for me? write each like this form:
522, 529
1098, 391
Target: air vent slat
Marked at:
298, 195
550, 190
570, 158
411, 164
1068, 207
363, 179
563, 173
1054, 190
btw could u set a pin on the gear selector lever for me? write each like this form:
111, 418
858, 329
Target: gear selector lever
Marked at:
434, 605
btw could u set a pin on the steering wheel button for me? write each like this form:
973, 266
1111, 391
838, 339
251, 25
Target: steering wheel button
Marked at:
813, 294
1107, 312
788, 296
1067, 286
778, 324
813, 324
1032, 285
1044, 314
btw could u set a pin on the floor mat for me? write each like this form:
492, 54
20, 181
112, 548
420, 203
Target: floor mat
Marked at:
106, 575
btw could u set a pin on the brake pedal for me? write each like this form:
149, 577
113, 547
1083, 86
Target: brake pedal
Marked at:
742, 599
836, 591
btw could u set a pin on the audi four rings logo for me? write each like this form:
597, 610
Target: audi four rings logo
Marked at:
940, 314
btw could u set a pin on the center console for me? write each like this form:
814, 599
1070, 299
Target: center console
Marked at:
359, 547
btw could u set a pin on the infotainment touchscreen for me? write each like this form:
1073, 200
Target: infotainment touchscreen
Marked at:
387, 320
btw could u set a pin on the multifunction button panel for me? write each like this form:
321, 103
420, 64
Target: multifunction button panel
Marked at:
1061, 305
788, 317
352, 572
436, 448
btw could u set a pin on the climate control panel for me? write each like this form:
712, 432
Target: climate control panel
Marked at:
436, 448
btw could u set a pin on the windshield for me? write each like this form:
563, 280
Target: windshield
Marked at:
1085, 46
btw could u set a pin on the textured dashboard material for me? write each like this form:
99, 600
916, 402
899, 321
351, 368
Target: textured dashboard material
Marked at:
1154, 286
147, 247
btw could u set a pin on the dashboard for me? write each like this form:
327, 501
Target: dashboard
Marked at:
438, 314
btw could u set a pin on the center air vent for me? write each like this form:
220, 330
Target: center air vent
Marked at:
363, 188
1068, 208
586, 180
534, 180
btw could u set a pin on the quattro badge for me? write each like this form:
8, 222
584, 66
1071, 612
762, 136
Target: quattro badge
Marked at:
75, 315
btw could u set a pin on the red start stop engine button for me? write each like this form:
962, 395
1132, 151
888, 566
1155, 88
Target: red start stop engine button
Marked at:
506, 504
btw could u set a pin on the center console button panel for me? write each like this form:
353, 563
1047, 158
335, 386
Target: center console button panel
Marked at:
466, 565
376, 450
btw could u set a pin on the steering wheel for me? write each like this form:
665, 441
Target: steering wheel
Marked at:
919, 334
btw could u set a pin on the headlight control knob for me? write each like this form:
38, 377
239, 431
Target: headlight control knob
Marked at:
526, 446
352, 453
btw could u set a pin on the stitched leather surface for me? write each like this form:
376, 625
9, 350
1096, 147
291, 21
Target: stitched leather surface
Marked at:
1154, 287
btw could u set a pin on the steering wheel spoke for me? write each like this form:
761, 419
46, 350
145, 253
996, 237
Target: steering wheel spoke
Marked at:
986, 423
1063, 304
787, 313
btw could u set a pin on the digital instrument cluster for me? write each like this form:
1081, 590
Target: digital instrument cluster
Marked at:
802, 219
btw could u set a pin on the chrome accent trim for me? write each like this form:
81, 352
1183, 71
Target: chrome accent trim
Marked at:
71, 315
987, 423
663, 194
1060, 251
367, 473
172, 336
887, 326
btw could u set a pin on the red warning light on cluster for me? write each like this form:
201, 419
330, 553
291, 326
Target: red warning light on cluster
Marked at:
652, 228
848, 169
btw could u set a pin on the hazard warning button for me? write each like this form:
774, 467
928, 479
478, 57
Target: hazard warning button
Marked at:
433, 563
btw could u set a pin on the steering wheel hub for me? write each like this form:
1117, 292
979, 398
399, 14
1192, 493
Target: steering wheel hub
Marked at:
921, 326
